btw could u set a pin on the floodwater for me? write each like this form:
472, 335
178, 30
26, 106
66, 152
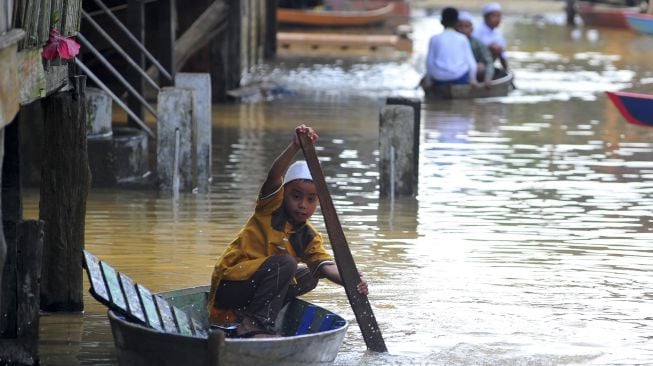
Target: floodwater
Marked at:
530, 239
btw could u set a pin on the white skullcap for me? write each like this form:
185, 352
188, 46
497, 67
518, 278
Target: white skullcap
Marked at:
491, 7
466, 16
298, 170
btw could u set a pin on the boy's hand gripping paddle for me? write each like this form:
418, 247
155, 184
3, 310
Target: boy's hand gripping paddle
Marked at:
346, 266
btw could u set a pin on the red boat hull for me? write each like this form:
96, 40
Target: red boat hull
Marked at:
604, 16
636, 108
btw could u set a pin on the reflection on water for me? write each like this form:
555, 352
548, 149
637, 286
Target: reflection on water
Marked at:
529, 240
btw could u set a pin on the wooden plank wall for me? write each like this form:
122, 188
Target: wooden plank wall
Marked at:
37, 16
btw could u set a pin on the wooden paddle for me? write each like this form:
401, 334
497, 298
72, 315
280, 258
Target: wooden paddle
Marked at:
346, 266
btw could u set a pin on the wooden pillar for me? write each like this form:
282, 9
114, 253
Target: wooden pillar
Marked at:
3, 244
28, 267
226, 67
65, 182
271, 26
136, 25
22, 347
650, 7
12, 213
19, 296
167, 34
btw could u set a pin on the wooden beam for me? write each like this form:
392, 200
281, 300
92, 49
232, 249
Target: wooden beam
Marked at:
166, 39
271, 28
136, 25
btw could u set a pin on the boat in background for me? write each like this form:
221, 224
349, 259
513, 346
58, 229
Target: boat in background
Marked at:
335, 18
636, 108
640, 22
603, 15
498, 88
344, 45
401, 7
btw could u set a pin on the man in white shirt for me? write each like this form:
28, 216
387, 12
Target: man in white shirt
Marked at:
450, 59
490, 35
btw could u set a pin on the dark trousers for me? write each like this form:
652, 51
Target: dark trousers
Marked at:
262, 296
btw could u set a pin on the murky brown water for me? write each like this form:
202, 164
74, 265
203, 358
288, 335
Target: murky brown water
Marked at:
529, 242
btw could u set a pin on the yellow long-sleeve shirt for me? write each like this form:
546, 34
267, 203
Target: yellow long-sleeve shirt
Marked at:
267, 233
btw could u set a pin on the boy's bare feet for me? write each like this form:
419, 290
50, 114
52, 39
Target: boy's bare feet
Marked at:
248, 328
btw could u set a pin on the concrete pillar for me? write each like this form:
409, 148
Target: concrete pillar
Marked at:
200, 84
131, 156
416, 104
397, 151
98, 112
174, 112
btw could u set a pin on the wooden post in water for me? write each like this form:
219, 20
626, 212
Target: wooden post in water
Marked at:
398, 151
3, 244
11, 215
28, 268
65, 180
19, 303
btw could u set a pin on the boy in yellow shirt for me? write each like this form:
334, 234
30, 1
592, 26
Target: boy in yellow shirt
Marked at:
259, 272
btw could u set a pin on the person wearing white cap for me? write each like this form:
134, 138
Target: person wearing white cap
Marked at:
490, 35
259, 271
449, 59
484, 60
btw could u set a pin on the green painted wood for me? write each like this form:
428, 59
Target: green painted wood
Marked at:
183, 321
167, 318
113, 284
133, 303
149, 306
199, 329
98, 288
